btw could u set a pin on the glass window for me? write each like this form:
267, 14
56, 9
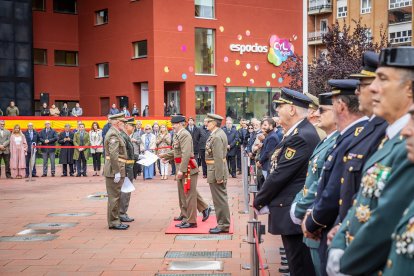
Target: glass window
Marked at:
102, 70
66, 58
365, 6
400, 3
204, 8
342, 11
39, 56
204, 51
101, 17
204, 101
324, 25
140, 49
249, 102
65, 6
38, 5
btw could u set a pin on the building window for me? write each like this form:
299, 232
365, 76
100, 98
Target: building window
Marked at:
204, 101
204, 51
102, 70
368, 33
342, 9
365, 6
140, 49
101, 17
400, 3
401, 37
40, 56
65, 6
324, 25
66, 58
38, 5
204, 8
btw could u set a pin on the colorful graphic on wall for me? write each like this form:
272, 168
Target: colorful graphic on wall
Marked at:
280, 49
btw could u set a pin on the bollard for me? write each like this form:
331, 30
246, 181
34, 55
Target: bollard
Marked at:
254, 226
245, 183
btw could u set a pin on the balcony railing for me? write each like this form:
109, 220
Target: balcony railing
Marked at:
319, 6
316, 37
395, 4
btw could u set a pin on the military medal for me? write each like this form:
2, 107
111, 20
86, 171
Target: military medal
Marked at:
405, 241
374, 181
363, 213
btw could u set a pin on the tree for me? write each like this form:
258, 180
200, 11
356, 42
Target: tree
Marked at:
344, 50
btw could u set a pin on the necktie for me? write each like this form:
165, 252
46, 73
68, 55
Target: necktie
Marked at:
81, 138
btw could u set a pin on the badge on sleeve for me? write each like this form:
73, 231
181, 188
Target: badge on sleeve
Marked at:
358, 131
289, 153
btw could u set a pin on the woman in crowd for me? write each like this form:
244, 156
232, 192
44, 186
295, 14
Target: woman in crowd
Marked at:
95, 136
54, 111
163, 141
18, 151
148, 143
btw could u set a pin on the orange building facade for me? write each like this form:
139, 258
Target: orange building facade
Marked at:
204, 55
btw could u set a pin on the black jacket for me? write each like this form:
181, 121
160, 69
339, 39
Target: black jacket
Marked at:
232, 138
204, 134
243, 137
30, 141
51, 135
64, 112
287, 178
269, 146
45, 112
195, 134
66, 155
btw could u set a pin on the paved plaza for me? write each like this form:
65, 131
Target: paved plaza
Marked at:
90, 248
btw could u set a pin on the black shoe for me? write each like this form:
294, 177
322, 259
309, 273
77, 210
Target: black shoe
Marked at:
217, 230
44, 175
206, 214
71, 174
284, 269
64, 175
85, 174
180, 224
34, 176
233, 176
204, 176
179, 218
188, 225
119, 227
53, 175
126, 219
78, 175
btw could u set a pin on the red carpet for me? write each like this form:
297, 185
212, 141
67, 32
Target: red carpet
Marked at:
202, 227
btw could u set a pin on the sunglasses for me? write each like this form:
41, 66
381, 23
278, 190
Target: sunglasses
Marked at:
323, 110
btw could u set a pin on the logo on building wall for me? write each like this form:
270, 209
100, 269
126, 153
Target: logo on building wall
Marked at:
279, 51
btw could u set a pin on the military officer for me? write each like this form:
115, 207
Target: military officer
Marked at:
349, 120
127, 130
384, 193
307, 195
114, 169
287, 176
187, 173
217, 172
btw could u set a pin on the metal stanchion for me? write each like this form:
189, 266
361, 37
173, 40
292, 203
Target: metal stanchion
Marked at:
245, 182
32, 161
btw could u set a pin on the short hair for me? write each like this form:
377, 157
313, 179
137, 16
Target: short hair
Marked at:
81, 124
301, 111
191, 118
270, 121
351, 101
406, 74
229, 119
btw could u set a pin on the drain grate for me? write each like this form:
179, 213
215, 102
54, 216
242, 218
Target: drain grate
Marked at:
82, 214
52, 225
98, 196
28, 238
198, 274
38, 231
198, 254
203, 237
196, 265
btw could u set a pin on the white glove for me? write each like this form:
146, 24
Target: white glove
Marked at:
292, 214
334, 258
117, 177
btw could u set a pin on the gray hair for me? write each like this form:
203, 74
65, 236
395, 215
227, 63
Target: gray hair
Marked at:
302, 112
229, 119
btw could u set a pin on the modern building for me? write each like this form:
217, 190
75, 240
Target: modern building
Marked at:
220, 56
391, 16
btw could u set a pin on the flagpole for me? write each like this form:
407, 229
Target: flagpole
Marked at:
305, 45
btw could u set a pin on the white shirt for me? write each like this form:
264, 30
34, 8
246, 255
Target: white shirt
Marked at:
393, 129
353, 123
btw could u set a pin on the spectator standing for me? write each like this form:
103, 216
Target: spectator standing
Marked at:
12, 109
18, 151
126, 112
135, 110
64, 112
204, 134
95, 136
1, 112
156, 130
232, 138
148, 144
54, 111
163, 140
32, 137
81, 138
172, 109
48, 137
196, 135
4, 148
66, 154
172, 162
145, 112
269, 145
45, 111
77, 110
242, 131
113, 110
136, 142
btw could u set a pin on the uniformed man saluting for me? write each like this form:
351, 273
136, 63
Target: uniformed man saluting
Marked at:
114, 169
217, 170
187, 173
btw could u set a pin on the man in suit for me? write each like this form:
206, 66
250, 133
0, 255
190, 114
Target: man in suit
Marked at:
307, 195
349, 121
31, 136
195, 134
66, 155
269, 145
48, 137
204, 134
136, 142
287, 176
5, 148
81, 138
242, 132
385, 191
114, 170
232, 139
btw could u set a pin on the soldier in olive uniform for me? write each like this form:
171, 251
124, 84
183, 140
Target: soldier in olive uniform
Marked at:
187, 173
385, 190
114, 169
127, 131
216, 152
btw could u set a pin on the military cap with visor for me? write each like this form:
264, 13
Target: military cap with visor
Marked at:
215, 117
401, 57
289, 96
119, 116
130, 121
325, 98
315, 101
175, 119
369, 65
343, 87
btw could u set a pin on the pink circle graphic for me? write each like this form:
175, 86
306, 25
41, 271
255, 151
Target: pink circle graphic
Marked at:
180, 28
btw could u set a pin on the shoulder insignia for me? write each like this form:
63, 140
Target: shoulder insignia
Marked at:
289, 153
330, 158
295, 131
358, 131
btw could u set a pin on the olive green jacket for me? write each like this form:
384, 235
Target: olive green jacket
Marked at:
76, 142
216, 152
114, 149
